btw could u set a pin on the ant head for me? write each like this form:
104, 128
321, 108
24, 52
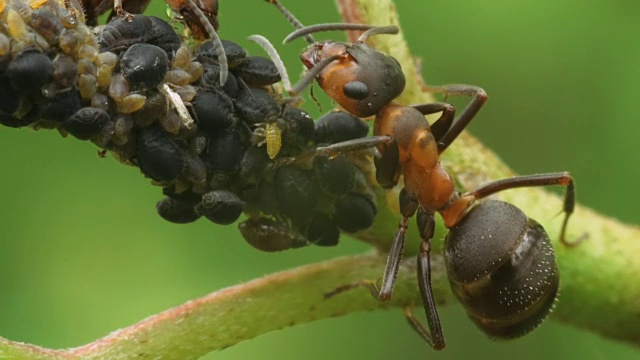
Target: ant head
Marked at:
360, 79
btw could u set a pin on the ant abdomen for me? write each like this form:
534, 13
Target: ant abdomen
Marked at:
502, 269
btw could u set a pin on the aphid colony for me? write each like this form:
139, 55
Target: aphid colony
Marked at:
135, 89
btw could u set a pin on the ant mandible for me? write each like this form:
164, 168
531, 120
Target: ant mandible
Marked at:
364, 82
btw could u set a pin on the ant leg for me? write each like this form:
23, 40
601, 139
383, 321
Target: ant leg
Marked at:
408, 207
479, 98
388, 165
441, 126
311, 74
213, 35
562, 178
433, 336
333, 150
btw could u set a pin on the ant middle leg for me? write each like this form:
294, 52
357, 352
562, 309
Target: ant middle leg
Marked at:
408, 207
441, 126
465, 117
562, 178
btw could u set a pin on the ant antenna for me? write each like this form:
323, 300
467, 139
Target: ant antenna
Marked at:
275, 57
222, 57
378, 30
311, 74
325, 27
292, 19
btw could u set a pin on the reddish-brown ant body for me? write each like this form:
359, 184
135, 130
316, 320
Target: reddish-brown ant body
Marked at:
500, 263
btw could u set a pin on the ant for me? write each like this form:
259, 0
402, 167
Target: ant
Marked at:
507, 283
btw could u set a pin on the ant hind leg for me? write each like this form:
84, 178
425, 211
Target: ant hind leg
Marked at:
465, 117
562, 178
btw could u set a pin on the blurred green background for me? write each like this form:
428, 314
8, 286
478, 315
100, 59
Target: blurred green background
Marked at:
83, 253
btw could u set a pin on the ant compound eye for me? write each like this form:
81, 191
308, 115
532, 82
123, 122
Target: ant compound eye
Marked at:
356, 90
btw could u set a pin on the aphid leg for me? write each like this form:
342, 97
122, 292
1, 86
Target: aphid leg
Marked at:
260, 135
469, 112
440, 127
117, 7
426, 225
549, 179
388, 165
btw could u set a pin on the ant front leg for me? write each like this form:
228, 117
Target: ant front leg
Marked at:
562, 178
388, 165
333, 150
479, 98
433, 335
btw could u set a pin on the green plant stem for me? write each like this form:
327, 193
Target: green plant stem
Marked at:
599, 290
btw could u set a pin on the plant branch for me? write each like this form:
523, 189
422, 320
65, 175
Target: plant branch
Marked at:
597, 278
242, 312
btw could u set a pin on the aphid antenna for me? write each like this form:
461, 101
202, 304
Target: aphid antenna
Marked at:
275, 57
